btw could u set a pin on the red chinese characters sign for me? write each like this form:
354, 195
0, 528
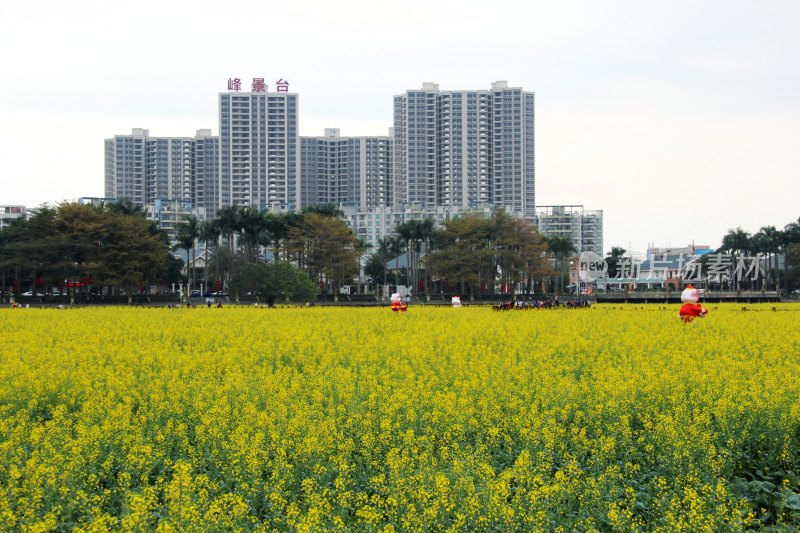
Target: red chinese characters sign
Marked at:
258, 85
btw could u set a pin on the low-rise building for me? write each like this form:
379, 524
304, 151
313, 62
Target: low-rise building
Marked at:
11, 212
583, 227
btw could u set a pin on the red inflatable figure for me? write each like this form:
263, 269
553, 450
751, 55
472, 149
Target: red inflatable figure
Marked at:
397, 303
691, 309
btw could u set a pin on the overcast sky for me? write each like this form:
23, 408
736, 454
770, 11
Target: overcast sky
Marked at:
680, 120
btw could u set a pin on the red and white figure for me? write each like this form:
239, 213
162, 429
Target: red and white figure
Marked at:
691, 307
397, 303
456, 301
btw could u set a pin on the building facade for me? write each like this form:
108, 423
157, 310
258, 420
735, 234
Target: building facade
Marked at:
144, 169
448, 152
258, 149
345, 171
168, 215
205, 190
583, 227
169, 168
11, 212
465, 148
126, 166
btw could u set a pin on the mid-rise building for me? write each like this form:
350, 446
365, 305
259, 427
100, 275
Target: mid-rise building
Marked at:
376, 223
11, 212
169, 214
583, 227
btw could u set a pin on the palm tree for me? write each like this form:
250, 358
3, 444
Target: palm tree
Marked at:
560, 246
425, 232
415, 234
251, 225
388, 248
278, 227
361, 247
209, 232
770, 244
188, 233
405, 233
230, 221
736, 242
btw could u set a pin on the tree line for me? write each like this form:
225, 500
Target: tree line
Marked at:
768, 242
113, 249
71, 247
771, 243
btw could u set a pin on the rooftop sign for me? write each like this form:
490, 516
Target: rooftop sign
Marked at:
258, 85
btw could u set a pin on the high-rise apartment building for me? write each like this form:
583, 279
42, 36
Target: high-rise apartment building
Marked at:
144, 169
465, 148
206, 171
345, 171
169, 164
449, 152
513, 161
258, 147
125, 166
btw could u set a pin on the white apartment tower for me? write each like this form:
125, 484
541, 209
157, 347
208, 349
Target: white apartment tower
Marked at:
465, 148
258, 150
125, 166
145, 169
345, 171
170, 168
415, 145
206, 171
513, 161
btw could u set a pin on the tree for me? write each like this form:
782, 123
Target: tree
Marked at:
793, 265
188, 234
416, 235
560, 246
209, 232
173, 270
326, 210
229, 220
325, 248
767, 241
612, 260
126, 207
475, 252
524, 258
277, 226
80, 228
252, 226
377, 267
130, 254
737, 242
274, 281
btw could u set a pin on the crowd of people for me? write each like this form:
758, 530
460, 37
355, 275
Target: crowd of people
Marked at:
547, 303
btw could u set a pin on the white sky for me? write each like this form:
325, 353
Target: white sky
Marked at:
679, 119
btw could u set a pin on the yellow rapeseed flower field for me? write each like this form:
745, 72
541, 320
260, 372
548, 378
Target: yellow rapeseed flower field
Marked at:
614, 418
